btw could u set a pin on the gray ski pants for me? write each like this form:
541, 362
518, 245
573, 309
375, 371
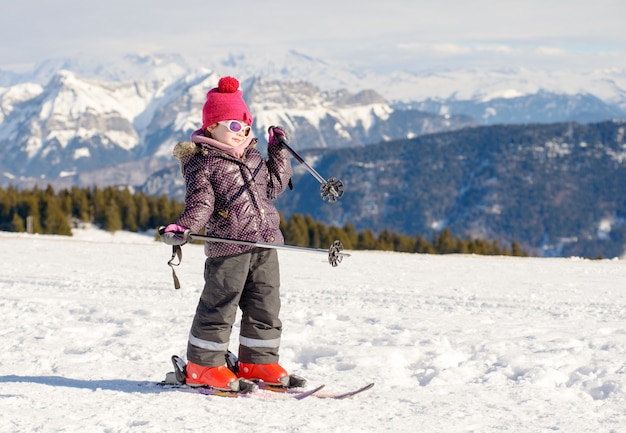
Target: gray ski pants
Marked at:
250, 281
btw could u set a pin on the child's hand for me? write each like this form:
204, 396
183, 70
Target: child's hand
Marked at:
174, 234
277, 136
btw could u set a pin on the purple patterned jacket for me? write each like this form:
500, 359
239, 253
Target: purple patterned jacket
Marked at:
232, 197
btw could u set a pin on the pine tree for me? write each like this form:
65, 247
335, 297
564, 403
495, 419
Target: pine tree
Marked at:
495, 249
17, 223
461, 246
423, 246
54, 220
297, 232
516, 250
30, 208
315, 239
176, 208
98, 206
80, 204
65, 202
341, 235
6, 207
385, 241
366, 240
352, 237
445, 243
112, 217
326, 237
403, 243
143, 211
128, 210
161, 211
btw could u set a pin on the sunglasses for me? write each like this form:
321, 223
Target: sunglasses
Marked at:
236, 127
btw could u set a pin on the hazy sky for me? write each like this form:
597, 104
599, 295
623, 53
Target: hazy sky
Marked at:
383, 35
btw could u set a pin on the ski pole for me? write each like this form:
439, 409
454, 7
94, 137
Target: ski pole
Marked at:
335, 252
332, 189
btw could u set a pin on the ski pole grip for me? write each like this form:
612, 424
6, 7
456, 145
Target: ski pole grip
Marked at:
174, 234
281, 139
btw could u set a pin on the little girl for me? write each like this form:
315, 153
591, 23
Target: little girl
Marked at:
229, 192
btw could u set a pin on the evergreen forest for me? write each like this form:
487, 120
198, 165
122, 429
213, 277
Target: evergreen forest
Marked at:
47, 211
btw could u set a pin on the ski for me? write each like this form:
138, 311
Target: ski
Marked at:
176, 380
293, 387
298, 394
204, 390
347, 394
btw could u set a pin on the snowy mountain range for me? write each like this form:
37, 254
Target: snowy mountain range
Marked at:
82, 122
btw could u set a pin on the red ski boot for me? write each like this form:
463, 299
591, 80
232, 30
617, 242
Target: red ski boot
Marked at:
271, 374
216, 377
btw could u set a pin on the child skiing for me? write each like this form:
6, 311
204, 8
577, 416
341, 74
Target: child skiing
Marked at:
229, 193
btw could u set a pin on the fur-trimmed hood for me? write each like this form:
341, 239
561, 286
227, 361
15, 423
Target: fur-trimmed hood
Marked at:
201, 142
185, 148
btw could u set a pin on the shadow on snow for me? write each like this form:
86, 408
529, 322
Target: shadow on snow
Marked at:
130, 386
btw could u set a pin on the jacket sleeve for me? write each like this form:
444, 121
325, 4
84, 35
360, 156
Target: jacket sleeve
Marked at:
199, 195
280, 171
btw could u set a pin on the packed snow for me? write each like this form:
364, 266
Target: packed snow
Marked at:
454, 343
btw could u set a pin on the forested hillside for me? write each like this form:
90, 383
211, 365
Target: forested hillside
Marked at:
558, 189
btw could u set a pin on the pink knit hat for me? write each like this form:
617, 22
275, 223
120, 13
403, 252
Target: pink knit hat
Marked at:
225, 102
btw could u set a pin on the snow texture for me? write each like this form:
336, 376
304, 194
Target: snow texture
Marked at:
455, 343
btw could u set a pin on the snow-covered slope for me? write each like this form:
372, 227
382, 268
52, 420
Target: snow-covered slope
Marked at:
454, 343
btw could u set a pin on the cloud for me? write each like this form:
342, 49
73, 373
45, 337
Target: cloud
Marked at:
454, 49
501, 49
550, 51
395, 33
